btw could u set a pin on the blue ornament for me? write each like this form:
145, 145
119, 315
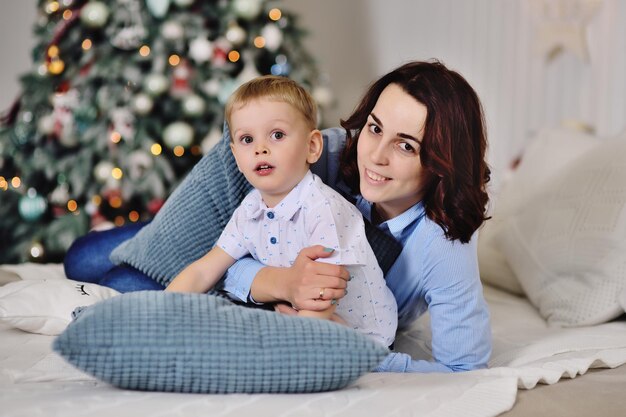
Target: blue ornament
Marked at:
32, 206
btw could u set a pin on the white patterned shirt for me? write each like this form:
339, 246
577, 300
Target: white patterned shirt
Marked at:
314, 214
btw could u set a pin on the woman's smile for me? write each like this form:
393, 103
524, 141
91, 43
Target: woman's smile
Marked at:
375, 177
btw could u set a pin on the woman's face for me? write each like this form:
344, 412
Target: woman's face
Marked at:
388, 147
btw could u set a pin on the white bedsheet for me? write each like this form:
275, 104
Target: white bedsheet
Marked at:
34, 381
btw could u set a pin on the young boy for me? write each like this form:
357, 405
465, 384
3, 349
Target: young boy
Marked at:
274, 140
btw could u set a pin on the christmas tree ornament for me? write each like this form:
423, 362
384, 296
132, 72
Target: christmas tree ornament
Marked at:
200, 49
102, 171
221, 46
64, 105
180, 80
123, 122
281, 67
235, 34
36, 252
273, 37
183, 3
211, 87
228, 87
178, 134
32, 206
156, 84
126, 30
142, 104
249, 70
60, 196
247, 9
139, 162
94, 14
193, 105
172, 30
158, 8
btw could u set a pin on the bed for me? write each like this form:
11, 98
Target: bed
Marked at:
557, 315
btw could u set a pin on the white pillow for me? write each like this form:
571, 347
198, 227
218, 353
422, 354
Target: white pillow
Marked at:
45, 306
547, 153
567, 246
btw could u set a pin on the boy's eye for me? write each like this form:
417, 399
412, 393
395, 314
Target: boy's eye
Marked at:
278, 135
246, 139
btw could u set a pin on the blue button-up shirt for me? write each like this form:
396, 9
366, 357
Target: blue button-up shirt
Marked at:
432, 274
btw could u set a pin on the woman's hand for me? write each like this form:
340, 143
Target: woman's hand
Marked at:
306, 285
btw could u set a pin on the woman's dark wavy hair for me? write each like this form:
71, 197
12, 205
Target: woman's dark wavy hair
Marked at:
452, 151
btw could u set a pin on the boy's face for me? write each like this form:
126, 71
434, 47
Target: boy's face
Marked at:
273, 146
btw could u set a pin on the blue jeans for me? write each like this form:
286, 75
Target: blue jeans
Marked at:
87, 260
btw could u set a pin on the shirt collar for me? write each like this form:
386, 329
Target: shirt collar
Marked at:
398, 224
288, 206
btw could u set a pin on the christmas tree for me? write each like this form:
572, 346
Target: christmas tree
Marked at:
124, 97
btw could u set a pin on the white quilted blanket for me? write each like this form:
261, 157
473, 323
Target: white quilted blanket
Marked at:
34, 381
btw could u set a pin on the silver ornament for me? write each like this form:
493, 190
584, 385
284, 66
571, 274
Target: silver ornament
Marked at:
178, 134
94, 14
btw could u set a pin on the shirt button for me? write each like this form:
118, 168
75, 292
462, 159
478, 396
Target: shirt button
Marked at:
273, 240
270, 214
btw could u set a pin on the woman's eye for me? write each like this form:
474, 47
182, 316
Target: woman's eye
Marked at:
406, 147
374, 128
246, 139
278, 135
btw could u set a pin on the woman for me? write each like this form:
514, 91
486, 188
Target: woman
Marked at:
413, 161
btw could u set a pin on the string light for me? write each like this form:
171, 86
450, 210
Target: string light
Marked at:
35, 251
133, 216
4, 185
275, 14
86, 45
196, 150
156, 149
96, 200
179, 150
53, 51
16, 182
233, 56
174, 60
144, 50
72, 205
56, 66
52, 7
116, 137
119, 221
117, 173
115, 202
259, 41
67, 14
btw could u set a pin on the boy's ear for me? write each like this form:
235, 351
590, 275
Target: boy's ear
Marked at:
316, 145
232, 149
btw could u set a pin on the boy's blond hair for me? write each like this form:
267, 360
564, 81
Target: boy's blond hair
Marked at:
274, 88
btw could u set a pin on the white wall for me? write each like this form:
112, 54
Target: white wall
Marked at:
491, 42
16, 43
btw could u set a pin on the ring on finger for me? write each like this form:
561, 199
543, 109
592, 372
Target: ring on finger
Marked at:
321, 297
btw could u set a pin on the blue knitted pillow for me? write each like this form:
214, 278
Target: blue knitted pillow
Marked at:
194, 215
162, 341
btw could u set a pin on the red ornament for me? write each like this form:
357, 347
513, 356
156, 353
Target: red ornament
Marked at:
155, 205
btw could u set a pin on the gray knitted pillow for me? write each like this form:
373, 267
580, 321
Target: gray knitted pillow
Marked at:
174, 342
193, 217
